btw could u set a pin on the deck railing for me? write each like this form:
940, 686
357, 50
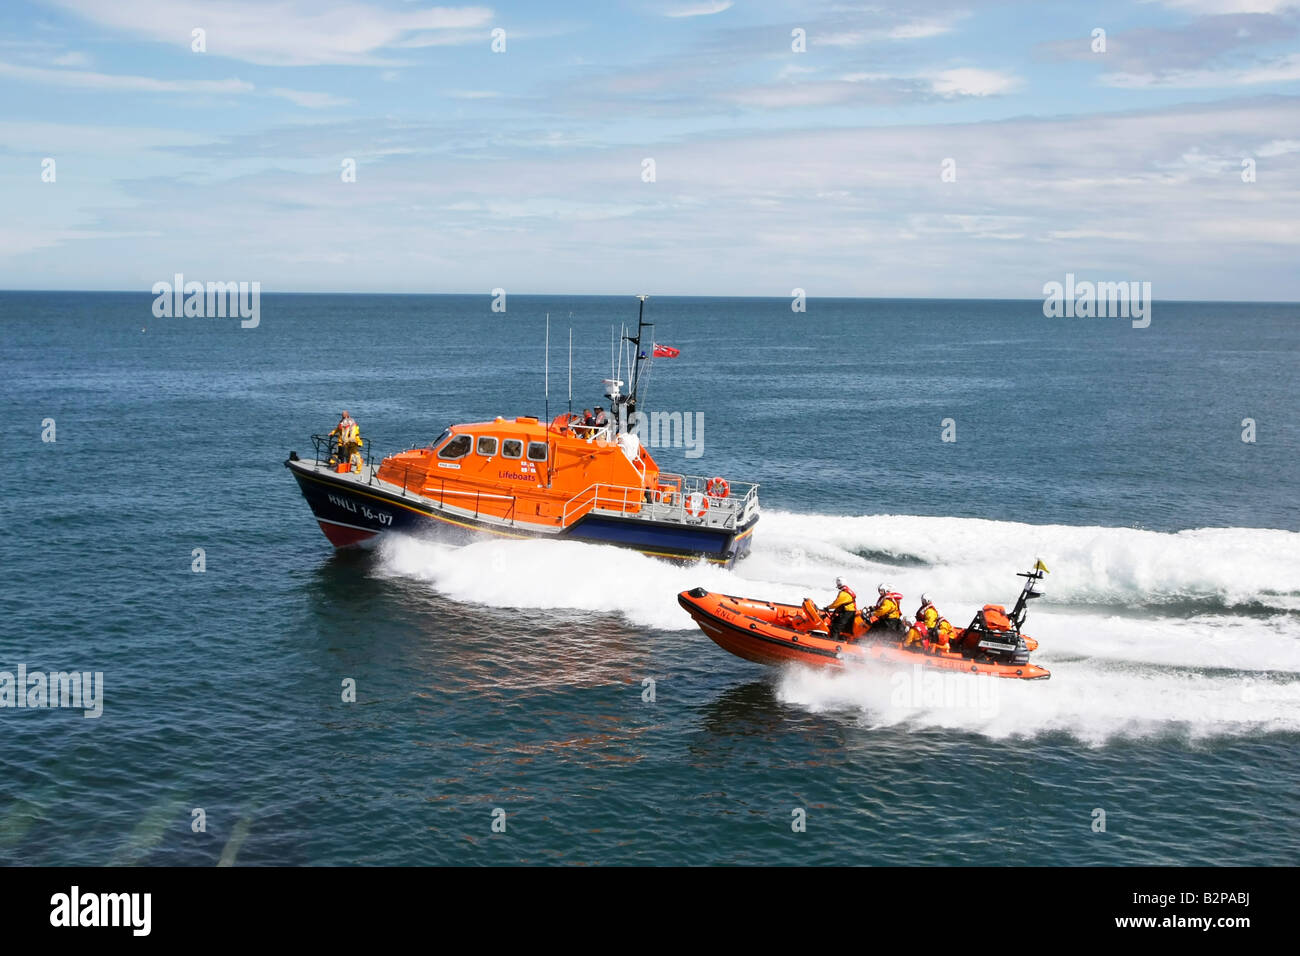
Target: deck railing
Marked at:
327, 447
682, 499
669, 501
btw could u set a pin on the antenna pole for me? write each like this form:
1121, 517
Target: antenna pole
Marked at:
550, 450
640, 331
570, 370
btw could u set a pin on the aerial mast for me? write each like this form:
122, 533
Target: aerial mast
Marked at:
634, 393
550, 453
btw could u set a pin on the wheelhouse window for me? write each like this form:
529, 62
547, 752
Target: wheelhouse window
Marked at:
537, 451
487, 447
441, 438
458, 447
512, 448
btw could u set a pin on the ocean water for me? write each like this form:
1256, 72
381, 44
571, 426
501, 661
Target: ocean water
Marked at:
508, 680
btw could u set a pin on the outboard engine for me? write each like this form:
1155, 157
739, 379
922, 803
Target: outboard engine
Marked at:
995, 635
992, 636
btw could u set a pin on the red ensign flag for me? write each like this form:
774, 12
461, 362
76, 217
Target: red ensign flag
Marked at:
666, 351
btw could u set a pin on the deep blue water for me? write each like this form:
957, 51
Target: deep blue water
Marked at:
510, 675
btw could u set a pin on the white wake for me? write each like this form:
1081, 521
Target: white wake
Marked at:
1196, 632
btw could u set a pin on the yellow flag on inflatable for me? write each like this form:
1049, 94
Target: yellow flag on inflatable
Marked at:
1039, 566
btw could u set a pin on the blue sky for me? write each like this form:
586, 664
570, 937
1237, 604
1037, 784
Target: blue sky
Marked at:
774, 169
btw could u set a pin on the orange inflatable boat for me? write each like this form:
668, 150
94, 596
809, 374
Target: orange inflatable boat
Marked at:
770, 633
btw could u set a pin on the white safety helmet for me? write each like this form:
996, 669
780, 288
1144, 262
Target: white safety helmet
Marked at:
883, 589
925, 601
839, 582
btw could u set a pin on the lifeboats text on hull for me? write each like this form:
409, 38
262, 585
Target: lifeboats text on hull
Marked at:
525, 477
776, 634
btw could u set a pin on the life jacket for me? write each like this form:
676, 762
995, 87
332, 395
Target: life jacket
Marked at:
933, 636
896, 611
851, 604
941, 632
929, 614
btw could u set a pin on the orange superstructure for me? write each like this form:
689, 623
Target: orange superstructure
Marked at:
525, 477
521, 470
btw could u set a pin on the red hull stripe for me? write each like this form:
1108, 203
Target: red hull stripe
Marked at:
344, 536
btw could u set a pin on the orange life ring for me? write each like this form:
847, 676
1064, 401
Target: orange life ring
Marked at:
696, 504
718, 487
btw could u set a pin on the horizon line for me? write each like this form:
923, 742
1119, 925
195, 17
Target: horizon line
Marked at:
669, 295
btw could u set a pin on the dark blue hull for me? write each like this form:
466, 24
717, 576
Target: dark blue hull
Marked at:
353, 514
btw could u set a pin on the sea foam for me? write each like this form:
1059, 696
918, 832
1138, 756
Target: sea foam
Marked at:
1146, 632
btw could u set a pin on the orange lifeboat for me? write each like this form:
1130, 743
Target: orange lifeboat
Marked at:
769, 633
525, 477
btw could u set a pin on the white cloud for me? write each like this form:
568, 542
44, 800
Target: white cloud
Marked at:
790, 95
1279, 147
976, 227
967, 81
15, 242
1106, 234
1218, 7
549, 207
854, 210
920, 29
866, 77
85, 79
72, 58
1284, 70
706, 9
845, 38
908, 30
284, 32
884, 87
791, 69
309, 100
106, 140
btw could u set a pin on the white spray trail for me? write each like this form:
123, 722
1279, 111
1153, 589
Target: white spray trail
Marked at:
1146, 632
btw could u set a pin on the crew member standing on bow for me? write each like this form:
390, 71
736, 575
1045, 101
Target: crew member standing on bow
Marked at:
348, 434
842, 609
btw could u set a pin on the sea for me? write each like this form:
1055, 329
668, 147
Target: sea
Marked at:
266, 700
